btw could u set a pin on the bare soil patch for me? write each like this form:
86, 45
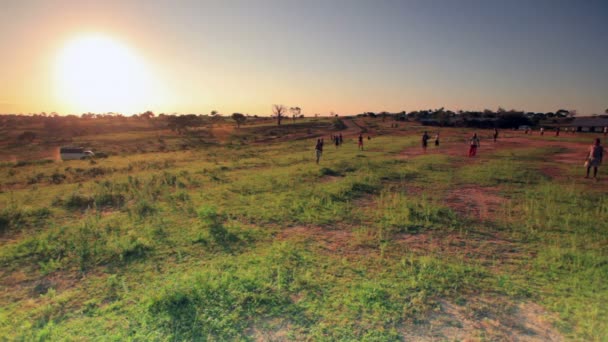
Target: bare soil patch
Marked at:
481, 319
481, 203
338, 241
488, 249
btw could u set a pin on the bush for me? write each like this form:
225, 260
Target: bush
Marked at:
10, 218
339, 124
144, 209
27, 136
109, 199
78, 201
57, 178
214, 223
329, 172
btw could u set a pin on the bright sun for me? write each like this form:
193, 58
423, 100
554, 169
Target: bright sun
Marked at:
94, 73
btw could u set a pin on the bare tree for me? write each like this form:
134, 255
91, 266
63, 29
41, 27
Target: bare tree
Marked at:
279, 111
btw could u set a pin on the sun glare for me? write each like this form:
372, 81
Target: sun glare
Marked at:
95, 73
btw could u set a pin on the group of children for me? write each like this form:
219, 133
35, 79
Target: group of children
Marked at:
473, 142
594, 158
337, 140
425, 140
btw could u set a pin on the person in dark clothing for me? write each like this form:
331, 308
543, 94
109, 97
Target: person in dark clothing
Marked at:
341, 138
360, 141
425, 140
319, 149
495, 134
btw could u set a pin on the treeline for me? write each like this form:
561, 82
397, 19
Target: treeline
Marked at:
91, 123
487, 118
22, 128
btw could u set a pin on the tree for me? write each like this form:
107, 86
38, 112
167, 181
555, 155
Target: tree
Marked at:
147, 115
562, 113
295, 112
383, 115
279, 111
180, 124
27, 136
239, 119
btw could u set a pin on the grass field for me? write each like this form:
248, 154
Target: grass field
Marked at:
254, 241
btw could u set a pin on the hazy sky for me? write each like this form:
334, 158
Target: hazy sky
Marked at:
343, 56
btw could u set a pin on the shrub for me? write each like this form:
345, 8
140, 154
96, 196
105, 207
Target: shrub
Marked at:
144, 209
214, 222
329, 172
78, 201
133, 247
109, 199
57, 178
339, 124
10, 218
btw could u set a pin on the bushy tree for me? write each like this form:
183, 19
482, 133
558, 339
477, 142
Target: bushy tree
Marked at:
239, 119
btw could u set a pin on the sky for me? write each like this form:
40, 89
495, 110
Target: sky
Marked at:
342, 56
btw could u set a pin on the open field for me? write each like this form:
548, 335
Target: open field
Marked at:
239, 235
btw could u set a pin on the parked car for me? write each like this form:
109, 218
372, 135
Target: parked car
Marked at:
71, 153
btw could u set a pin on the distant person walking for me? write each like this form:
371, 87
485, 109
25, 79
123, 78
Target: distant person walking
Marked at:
474, 143
361, 142
557, 132
337, 141
437, 139
542, 131
341, 139
319, 149
495, 134
594, 158
425, 140
605, 130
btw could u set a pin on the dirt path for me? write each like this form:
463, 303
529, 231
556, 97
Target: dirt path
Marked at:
352, 128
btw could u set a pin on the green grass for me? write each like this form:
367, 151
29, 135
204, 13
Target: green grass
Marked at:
238, 242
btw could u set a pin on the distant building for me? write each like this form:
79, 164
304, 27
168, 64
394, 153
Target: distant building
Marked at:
588, 123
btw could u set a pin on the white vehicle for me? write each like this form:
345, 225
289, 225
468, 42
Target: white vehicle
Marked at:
71, 153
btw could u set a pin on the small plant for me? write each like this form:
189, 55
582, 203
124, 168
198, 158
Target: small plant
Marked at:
144, 209
58, 178
78, 201
215, 223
